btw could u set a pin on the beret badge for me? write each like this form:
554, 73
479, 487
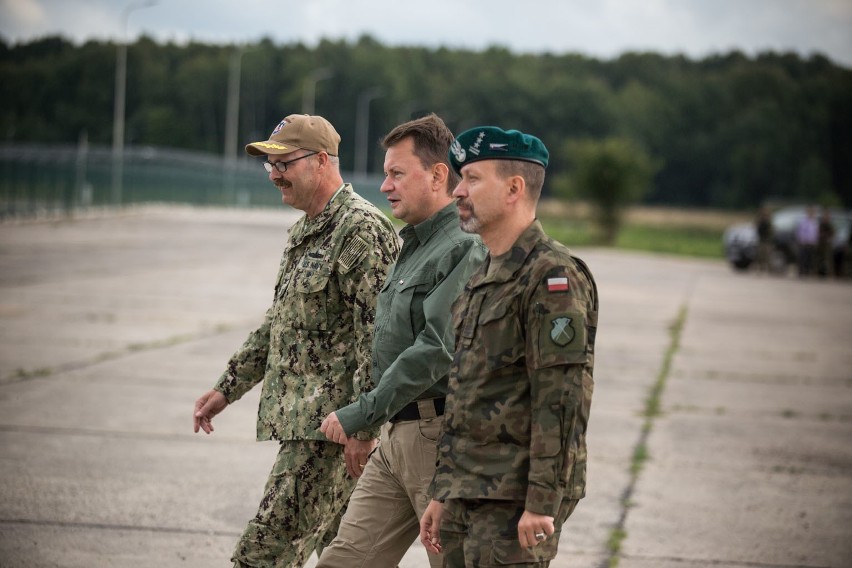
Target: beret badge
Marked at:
493, 143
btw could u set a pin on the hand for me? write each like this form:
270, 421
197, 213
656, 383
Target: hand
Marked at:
333, 430
430, 526
356, 454
532, 524
209, 405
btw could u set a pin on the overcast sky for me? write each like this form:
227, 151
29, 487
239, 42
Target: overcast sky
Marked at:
597, 28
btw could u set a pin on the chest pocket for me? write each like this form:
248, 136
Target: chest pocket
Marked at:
500, 333
310, 300
406, 313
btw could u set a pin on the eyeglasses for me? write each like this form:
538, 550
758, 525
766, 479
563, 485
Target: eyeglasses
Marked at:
282, 166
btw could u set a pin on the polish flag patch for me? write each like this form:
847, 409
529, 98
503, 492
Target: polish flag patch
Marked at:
557, 284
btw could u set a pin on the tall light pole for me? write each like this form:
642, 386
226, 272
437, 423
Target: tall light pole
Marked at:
362, 128
118, 106
309, 88
232, 116
232, 111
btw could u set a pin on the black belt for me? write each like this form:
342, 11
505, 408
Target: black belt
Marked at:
412, 412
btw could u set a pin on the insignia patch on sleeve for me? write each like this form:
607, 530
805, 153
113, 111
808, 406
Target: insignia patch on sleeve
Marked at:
352, 253
559, 284
562, 339
561, 332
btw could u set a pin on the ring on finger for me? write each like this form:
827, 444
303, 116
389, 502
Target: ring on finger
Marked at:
540, 536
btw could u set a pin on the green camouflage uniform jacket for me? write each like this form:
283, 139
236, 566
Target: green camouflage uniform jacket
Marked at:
521, 383
312, 351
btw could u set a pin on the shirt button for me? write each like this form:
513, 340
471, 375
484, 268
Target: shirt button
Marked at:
402, 281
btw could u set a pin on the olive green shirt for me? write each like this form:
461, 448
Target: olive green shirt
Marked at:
413, 337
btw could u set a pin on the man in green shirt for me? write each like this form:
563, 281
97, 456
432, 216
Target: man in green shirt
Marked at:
412, 352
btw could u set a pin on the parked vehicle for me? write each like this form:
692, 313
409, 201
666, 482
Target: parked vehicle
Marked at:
740, 240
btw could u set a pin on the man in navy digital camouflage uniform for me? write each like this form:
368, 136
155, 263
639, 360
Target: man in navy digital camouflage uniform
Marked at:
312, 351
512, 454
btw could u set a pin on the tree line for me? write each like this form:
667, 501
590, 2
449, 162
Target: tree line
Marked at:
726, 131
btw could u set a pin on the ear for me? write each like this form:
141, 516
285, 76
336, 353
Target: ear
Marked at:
440, 173
517, 188
322, 159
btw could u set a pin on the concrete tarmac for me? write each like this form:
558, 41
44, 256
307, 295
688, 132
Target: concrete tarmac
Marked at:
111, 325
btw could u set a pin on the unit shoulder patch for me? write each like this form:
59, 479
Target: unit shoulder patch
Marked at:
352, 253
561, 331
562, 338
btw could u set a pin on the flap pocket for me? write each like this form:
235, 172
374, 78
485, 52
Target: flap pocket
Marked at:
500, 334
495, 312
308, 307
310, 282
508, 551
411, 281
405, 282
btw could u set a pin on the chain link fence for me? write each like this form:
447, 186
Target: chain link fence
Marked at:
57, 180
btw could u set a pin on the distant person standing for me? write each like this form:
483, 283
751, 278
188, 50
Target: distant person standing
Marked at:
312, 351
512, 453
763, 227
825, 242
807, 235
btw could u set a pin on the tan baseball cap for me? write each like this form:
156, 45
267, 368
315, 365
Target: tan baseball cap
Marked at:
297, 131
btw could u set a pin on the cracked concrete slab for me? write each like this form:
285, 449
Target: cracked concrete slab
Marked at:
111, 326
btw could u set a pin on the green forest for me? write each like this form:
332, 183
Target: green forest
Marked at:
727, 131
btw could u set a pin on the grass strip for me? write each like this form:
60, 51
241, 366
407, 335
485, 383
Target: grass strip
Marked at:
681, 240
640, 450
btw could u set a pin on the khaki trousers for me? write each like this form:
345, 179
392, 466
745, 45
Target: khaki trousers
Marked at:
383, 516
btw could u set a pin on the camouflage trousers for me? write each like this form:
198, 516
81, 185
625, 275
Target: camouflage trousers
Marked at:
484, 532
302, 504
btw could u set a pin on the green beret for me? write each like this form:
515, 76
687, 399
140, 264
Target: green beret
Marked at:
492, 143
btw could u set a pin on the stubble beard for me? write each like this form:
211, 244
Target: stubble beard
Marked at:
471, 224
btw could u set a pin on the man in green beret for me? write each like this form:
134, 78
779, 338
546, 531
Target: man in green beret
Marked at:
512, 454
312, 351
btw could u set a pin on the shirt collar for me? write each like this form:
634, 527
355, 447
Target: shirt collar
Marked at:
306, 226
514, 259
425, 229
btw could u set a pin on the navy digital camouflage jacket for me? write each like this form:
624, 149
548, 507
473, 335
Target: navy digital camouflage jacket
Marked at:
312, 351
